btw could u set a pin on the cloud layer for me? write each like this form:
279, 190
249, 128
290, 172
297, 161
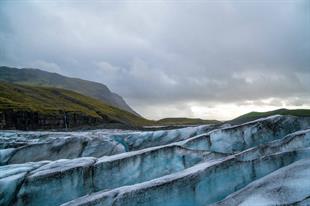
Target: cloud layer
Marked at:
208, 59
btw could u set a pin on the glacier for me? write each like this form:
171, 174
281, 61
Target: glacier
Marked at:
289, 185
21, 147
199, 165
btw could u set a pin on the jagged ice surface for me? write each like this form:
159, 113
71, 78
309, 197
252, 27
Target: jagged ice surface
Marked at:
190, 166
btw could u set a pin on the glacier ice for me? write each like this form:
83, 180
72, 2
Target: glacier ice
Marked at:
189, 166
238, 138
37, 146
11, 178
289, 185
55, 178
201, 184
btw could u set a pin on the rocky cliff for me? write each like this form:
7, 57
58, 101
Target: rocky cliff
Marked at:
28, 120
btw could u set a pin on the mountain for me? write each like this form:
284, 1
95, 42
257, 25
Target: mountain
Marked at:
33, 107
186, 121
256, 115
38, 77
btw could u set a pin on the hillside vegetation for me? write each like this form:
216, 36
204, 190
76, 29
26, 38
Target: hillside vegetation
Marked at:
186, 121
256, 115
36, 77
54, 101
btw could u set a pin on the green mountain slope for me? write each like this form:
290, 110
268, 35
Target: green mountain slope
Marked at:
186, 121
38, 77
256, 115
41, 106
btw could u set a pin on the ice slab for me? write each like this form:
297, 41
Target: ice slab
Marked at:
287, 186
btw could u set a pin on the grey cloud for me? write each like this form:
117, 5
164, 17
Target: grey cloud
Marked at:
162, 54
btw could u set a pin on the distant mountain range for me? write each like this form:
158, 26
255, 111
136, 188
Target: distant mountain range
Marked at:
251, 116
256, 115
186, 121
36, 77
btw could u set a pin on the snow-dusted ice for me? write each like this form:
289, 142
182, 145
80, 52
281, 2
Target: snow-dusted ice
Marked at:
20, 147
201, 165
289, 185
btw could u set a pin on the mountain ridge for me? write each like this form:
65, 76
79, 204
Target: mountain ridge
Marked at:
37, 77
256, 115
186, 121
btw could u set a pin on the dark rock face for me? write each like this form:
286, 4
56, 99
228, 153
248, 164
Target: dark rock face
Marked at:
25, 120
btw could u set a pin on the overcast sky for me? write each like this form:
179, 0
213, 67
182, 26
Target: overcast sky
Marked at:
207, 59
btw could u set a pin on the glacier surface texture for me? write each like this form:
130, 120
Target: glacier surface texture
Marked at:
263, 162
